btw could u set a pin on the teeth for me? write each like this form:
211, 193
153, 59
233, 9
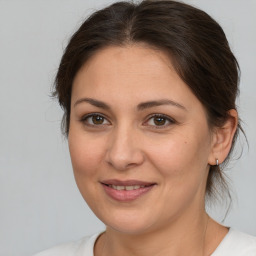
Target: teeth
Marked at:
131, 187
126, 187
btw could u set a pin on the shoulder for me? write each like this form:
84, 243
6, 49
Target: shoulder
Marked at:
237, 243
82, 247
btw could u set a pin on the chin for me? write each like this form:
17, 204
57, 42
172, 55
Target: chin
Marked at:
129, 223
129, 229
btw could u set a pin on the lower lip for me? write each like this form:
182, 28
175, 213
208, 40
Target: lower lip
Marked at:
126, 195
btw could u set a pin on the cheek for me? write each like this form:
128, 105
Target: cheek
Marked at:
182, 165
182, 154
86, 153
86, 156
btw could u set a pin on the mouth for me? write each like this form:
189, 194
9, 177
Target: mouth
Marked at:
128, 190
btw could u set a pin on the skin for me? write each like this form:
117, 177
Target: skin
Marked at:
175, 153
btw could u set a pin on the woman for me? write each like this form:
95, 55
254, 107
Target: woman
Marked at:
148, 92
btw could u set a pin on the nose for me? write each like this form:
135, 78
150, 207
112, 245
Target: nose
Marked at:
124, 150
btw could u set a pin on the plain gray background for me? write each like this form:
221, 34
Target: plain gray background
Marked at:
40, 204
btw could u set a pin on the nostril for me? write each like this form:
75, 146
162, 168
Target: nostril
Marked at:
123, 153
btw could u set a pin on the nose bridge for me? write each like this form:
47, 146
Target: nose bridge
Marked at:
124, 150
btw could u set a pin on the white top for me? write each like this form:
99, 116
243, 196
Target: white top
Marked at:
235, 243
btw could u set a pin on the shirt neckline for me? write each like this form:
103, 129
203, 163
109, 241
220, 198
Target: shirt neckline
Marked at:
92, 240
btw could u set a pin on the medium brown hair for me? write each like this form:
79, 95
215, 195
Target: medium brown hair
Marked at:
196, 44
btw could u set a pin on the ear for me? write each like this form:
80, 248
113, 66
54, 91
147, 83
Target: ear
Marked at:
222, 138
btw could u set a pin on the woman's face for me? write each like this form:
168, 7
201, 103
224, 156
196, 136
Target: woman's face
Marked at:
139, 140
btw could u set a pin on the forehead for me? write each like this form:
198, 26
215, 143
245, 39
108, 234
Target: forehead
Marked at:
132, 60
136, 71
137, 59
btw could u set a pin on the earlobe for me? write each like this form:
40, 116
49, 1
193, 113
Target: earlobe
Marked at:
222, 139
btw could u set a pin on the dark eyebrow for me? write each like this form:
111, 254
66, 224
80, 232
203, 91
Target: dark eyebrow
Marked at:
140, 107
150, 104
93, 102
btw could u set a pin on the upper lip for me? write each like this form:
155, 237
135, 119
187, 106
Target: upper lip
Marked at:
127, 182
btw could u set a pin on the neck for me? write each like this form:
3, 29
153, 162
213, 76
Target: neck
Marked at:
185, 236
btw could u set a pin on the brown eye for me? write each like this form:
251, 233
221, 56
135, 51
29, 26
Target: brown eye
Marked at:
159, 120
96, 119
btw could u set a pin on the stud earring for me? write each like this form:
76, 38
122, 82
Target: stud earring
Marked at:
217, 162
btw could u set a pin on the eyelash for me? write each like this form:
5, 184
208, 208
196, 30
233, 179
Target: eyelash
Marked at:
170, 121
85, 118
166, 118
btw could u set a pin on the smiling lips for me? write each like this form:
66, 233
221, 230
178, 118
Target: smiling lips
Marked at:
125, 187
126, 190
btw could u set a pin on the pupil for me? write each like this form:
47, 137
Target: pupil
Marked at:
159, 121
97, 119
